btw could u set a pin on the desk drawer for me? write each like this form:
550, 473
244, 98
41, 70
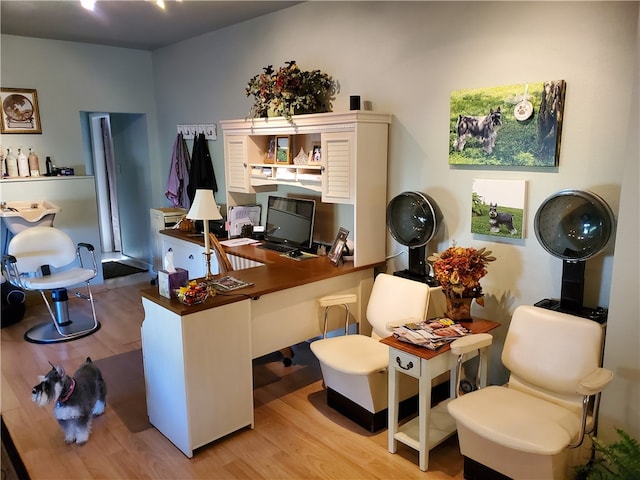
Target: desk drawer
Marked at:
405, 362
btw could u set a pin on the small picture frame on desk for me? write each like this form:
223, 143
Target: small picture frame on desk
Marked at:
283, 155
338, 247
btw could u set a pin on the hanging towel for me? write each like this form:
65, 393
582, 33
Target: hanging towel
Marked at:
178, 180
201, 174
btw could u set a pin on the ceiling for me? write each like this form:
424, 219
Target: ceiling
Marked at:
135, 24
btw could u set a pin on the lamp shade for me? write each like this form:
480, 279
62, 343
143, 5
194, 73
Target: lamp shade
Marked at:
204, 206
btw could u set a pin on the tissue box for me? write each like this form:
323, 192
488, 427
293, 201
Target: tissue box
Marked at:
168, 282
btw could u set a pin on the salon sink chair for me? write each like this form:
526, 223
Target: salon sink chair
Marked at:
45, 259
535, 427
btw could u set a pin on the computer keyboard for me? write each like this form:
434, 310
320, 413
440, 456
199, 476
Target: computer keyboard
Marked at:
276, 247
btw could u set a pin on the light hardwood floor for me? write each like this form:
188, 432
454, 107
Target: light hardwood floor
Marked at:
296, 436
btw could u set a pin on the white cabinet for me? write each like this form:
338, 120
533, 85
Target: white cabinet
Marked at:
189, 256
352, 171
198, 372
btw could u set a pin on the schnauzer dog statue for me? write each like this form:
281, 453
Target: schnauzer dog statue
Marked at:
496, 219
78, 398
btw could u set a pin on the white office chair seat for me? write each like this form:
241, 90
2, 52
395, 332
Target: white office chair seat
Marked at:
352, 354
516, 420
58, 279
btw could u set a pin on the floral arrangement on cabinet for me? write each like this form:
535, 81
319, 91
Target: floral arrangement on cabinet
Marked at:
289, 91
459, 270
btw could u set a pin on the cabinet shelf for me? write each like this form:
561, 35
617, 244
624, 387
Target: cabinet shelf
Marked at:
305, 176
441, 427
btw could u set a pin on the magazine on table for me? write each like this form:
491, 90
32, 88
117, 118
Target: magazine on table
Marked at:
229, 283
431, 334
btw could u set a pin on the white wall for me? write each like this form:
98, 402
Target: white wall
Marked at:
621, 402
405, 58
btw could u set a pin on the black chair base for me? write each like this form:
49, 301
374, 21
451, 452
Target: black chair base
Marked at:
47, 332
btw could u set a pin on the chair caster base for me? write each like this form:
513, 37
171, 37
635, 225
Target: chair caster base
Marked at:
47, 332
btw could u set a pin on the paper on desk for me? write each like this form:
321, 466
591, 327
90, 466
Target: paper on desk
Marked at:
235, 242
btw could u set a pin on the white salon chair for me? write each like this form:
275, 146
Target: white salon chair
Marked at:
532, 427
46, 259
354, 367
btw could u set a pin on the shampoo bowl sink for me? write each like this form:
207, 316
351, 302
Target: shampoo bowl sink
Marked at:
22, 214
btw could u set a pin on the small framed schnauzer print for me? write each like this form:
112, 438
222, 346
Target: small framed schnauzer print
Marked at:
20, 113
511, 126
498, 207
283, 155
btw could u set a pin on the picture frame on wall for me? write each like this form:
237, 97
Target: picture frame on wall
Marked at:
338, 247
20, 111
498, 208
283, 149
507, 126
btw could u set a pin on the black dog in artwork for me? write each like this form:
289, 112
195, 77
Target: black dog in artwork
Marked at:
496, 219
484, 128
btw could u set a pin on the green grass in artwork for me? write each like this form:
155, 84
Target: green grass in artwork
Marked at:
516, 143
480, 223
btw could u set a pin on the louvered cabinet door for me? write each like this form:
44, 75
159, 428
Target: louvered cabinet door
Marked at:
338, 182
236, 162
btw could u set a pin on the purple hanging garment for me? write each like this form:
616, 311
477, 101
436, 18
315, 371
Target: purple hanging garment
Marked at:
178, 180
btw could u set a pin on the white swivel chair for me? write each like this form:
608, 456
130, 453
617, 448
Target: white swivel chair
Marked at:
531, 427
354, 367
45, 258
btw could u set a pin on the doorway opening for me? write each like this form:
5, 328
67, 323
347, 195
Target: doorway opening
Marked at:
119, 162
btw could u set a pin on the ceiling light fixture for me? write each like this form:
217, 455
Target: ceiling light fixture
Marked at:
88, 4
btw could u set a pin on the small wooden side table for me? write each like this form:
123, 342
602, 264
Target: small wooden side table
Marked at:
432, 425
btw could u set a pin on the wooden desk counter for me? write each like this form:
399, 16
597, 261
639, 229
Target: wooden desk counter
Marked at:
278, 273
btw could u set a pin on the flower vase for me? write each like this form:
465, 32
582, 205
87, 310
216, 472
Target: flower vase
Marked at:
458, 308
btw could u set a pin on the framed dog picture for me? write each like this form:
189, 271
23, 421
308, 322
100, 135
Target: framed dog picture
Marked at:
283, 150
510, 126
338, 247
315, 155
270, 154
20, 113
498, 208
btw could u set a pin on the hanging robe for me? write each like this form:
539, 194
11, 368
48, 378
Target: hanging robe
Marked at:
201, 174
178, 180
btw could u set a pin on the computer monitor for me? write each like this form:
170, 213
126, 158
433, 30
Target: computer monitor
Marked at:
290, 221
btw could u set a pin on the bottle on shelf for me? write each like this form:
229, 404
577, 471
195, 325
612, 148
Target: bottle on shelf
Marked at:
49, 167
23, 164
34, 164
12, 164
3, 170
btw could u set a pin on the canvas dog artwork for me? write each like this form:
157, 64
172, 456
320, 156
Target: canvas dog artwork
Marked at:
77, 399
497, 219
484, 128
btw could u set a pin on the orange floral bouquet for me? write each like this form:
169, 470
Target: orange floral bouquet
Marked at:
460, 269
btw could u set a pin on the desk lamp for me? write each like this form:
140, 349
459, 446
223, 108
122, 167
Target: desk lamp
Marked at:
204, 208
